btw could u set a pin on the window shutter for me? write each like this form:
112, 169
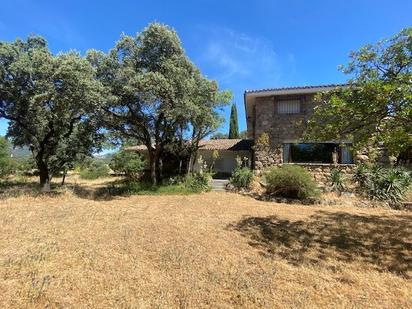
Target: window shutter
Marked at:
289, 107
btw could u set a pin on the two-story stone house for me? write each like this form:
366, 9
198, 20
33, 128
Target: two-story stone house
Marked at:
279, 112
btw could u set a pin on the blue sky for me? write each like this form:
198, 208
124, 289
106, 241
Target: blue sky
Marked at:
241, 44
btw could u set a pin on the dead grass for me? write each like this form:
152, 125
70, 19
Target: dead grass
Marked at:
216, 250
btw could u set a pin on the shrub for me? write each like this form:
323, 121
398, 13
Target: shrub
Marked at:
130, 164
338, 180
384, 184
6, 166
241, 177
198, 182
291, 181
82, 162
96, 170
361, 174
128, 187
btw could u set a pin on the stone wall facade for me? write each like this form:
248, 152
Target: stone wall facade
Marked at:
280, 128
289, 128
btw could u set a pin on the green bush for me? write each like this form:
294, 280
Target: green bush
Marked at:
338, 180
241, 177
130, 164
97, 169
384, 184
26, 166
361, 174
198, 182
6, 166
291, 181
126, 187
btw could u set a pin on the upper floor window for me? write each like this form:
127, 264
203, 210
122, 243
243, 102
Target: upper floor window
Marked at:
289, 107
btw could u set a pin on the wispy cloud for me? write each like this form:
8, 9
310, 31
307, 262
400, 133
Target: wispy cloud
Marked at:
241, 61
238, 55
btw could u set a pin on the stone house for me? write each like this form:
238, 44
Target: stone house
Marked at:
279, 113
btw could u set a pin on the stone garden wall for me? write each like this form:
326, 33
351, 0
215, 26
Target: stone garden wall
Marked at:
321, 172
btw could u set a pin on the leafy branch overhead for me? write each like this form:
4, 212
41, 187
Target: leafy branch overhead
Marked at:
376, 105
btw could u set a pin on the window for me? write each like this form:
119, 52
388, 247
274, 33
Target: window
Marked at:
317, 153
289, 107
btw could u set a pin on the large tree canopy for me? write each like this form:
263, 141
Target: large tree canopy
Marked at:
48, 101
376, 106
155, 94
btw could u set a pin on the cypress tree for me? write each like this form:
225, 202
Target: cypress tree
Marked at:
233, 127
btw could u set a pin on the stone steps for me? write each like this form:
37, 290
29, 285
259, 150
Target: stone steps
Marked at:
219, 185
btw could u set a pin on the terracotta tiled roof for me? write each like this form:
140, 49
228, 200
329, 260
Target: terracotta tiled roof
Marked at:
226, 144
296, 88
213, 144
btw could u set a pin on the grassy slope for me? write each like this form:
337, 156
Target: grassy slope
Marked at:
207, 250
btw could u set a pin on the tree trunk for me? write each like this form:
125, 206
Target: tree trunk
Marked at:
160, 169
44, 179
64, 177
152, 163
189, 165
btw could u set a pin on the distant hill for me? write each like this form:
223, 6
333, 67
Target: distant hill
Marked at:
19, 153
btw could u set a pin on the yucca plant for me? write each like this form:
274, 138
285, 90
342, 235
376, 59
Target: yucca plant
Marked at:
384, 184
338, 180
361, 174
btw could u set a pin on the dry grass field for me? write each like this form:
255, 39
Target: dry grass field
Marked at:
212, 250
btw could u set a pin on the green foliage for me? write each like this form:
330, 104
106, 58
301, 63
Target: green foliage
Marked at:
384, 184
243, 134
133, 187
198, 182
194, 183
155, 93
338, 180
49, 101
127, 163
82, 162
262, 142
361, 174
97, 169
377, 105
26, 166
219, 135
233, 125
291, 181
6, 166
241, 177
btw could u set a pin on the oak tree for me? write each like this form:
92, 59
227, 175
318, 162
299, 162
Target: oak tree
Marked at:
48, 101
